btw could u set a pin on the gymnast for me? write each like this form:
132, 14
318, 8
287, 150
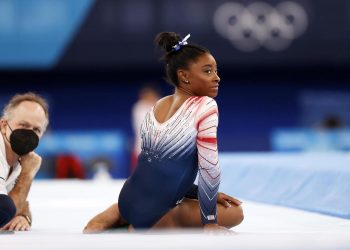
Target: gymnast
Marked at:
179, 141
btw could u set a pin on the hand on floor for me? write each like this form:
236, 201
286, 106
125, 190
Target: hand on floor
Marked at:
18, 223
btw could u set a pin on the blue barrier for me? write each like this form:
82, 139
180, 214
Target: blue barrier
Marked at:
310, 140
317, 182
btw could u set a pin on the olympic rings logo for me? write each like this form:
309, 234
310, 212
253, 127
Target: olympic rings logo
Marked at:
260, 25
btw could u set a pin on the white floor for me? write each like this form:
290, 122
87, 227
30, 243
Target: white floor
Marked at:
62, 208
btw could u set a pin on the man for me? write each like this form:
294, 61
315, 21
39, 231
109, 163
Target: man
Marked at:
23, 122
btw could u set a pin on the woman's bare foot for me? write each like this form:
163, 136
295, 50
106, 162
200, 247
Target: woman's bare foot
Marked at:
108, 219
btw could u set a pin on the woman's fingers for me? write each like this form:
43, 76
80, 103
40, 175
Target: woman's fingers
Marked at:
226, 200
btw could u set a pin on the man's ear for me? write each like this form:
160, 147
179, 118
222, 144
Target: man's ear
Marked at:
3, 125
183, 75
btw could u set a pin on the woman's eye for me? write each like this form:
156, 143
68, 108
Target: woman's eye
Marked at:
208, 71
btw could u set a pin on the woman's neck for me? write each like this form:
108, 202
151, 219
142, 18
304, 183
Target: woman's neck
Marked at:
182, 93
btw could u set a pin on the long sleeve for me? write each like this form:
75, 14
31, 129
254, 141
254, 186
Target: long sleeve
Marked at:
208, 164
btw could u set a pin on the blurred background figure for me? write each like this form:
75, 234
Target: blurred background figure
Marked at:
69, 166
332, 121
148, 96
101, 167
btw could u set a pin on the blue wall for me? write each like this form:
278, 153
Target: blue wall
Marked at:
34, 33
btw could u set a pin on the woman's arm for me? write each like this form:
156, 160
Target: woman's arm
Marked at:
208, 164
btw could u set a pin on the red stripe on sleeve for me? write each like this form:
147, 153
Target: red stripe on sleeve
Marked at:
209, 140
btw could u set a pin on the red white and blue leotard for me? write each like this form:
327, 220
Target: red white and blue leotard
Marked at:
172, 154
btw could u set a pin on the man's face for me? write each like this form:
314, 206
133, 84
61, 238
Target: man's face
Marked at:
27, 115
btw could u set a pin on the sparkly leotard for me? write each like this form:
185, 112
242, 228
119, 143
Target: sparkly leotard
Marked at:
172, 154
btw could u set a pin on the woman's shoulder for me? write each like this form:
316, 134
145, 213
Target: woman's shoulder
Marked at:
205, 105
164, 100
206, 100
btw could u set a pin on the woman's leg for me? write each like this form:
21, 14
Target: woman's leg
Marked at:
187, 215
108, 219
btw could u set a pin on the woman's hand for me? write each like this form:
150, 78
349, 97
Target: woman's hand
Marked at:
227, 200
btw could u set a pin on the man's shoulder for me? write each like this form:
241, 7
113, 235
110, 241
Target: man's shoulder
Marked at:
2, 150
3, 172
3, 161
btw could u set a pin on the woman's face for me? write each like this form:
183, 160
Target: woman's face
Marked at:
202, 76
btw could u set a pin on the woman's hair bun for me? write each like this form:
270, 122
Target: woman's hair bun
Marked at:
166, 40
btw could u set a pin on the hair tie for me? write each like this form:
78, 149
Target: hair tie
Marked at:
177, 46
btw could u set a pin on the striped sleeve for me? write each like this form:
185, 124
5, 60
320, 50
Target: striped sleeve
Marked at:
208, 164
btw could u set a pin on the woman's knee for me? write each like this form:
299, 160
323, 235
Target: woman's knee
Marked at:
231, 217
239, 215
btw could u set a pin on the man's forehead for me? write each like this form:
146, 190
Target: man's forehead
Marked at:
30, 105
30, 112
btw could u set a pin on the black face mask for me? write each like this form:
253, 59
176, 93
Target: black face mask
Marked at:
23, 141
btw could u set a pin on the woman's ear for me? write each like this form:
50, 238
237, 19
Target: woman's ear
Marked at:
183, 75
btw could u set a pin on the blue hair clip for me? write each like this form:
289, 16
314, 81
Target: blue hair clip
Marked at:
177, 46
